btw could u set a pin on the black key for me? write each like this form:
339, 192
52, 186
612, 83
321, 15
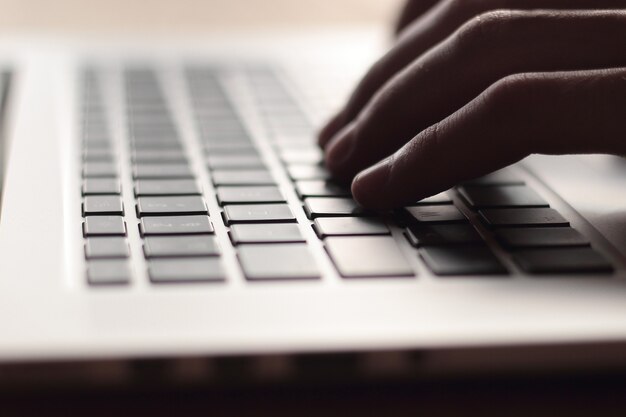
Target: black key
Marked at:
349, 226
502, 197
536, 237
108, 272
243, 177
540, 217
106, 247
504, 176
298, 172
368, 256
103, 205
441, 198
266, 233
443, 234
332, 207
183, 205
104, 226
151, 144
436, 214
258, 213
175, 225
238, 161
179, 246
562, 261
166, 187
462, 260
173, 271
278, 261
229, 147
246, 195
151, 171
99, 170
158, 156
317, 188
100, 186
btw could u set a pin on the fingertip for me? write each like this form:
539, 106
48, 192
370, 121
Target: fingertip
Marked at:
369, 186
330, 129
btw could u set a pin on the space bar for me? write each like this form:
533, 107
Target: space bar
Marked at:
371, 256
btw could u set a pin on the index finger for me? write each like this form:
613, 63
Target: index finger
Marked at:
546, 113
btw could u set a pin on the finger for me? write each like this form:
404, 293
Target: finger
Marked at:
431, 28
412, 10
449, 76
553, 113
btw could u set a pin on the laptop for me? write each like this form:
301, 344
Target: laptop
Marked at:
164, 202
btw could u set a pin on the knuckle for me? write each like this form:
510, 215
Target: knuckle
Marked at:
509, 103
484, 28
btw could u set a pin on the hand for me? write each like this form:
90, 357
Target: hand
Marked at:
468, 90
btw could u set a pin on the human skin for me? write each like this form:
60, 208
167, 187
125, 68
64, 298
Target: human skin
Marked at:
471, 86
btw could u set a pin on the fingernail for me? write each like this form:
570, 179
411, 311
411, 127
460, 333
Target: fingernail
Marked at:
340, 148
369, 185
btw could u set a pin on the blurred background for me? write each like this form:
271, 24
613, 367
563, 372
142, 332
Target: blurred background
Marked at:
185, 16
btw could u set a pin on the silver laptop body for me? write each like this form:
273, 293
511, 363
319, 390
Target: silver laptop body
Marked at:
164, 201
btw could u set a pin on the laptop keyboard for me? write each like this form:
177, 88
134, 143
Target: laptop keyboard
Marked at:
497, 225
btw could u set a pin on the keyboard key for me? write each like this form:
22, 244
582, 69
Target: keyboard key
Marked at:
179, 246
155, 206
143, 171
443, 234
299, 172
106, 247
105, 204
441, 198
245, 195
266, 233
173, 145
562, 261
368, 256
99, 170
175, 225
158, 156
462, 260
536, 237
229, 147
243, 177
258, 213
104, 226
317, 188
99, 186
504, 176
166, 187
236, 161
174, 271
541, 217
349, 226
333, 207
436, 214
502, 197
98, 155
108, 272
278, 261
